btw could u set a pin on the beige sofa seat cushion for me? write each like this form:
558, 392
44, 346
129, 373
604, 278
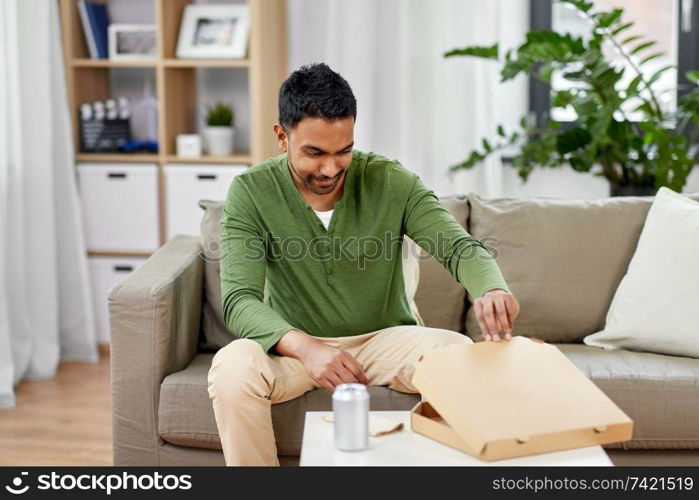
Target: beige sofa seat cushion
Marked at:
186, 415
562, 259
658, 392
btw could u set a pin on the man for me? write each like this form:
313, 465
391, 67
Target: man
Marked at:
323, 223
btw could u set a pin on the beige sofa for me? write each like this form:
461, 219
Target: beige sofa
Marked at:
563, 259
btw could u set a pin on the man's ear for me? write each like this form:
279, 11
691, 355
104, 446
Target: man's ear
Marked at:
282, 138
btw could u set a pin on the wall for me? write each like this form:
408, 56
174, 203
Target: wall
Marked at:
512, 102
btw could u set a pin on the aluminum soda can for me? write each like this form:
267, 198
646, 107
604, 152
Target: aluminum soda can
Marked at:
351, 417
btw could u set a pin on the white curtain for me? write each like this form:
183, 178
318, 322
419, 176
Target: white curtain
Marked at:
413, 105
46, 314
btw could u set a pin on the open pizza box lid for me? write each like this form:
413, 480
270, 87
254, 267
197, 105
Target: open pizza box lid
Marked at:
496, 400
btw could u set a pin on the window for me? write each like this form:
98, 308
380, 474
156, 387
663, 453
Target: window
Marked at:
673, 24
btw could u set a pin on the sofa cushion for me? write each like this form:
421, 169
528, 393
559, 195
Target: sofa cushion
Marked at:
644, 385
658, 392
186, 415
655, 307
562, 259
411, 275
215, 334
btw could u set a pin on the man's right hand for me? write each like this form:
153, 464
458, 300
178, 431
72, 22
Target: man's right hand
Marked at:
329, 366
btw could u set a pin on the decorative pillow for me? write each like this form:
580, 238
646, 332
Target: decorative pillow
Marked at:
411, 275
214, 329
563, 259
656, 307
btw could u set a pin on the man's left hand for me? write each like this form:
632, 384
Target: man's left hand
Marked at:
496, 312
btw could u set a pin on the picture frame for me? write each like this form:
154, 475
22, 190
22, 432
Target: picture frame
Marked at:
214, 32
131, 42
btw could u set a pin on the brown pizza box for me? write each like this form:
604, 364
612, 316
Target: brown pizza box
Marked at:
497, 400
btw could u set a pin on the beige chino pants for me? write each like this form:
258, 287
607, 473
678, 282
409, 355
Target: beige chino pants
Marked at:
244, 382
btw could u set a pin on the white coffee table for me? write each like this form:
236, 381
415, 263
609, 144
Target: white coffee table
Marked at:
406, 447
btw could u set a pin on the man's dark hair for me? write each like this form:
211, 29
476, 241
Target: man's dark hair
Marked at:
317, 91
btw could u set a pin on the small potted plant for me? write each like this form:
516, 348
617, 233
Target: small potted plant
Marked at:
218, 133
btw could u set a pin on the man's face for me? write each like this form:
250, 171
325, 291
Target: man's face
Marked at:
319, 151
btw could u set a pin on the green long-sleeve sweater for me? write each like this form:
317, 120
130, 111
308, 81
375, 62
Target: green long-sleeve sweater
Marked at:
348, 279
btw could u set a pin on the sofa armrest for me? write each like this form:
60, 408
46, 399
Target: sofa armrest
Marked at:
154, 316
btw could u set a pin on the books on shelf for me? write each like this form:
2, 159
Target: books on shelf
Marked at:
95, 20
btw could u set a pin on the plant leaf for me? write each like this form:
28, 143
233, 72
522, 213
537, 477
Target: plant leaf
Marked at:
606, 19
642, 46
631, 89
545, 72
484, 52
655, 55
621, 28
572, 139
658, 73
692, 76
575, 76
562, 98
630, 39
581, 5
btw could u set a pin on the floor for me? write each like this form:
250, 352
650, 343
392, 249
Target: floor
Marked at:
63, 421
67, 421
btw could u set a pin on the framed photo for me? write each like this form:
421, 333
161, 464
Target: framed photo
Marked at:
214, 31
129, 42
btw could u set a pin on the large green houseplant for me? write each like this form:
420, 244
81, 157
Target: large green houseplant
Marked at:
636, 157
